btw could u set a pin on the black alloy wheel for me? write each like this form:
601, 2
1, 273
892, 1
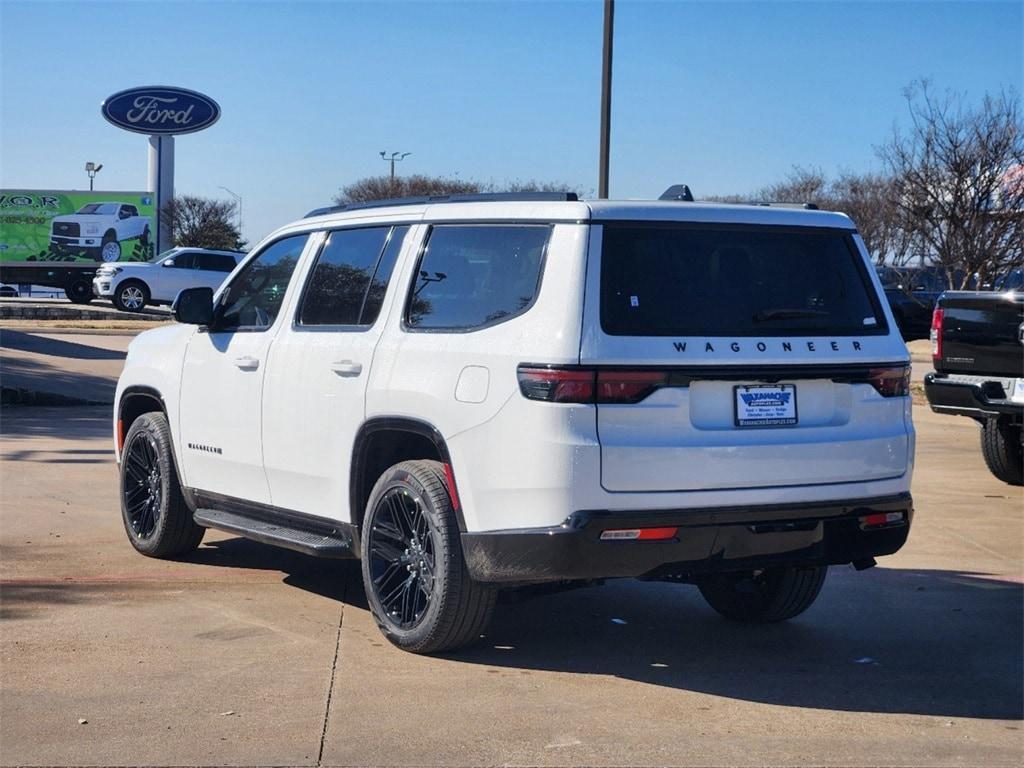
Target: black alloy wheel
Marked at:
417, 585
143, 486
402, 557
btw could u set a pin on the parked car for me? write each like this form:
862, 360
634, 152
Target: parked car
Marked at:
978, 354
131, 286
911, 311
100, 228
9, 292
478, 393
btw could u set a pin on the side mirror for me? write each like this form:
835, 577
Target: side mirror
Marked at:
194, 306
168, 263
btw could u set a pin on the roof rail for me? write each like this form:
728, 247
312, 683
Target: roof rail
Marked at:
804, 206
677, 192
477, 197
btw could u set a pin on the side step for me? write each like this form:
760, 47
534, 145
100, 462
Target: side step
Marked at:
327, 539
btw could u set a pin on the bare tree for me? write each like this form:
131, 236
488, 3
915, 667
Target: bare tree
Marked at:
200, 222
958, 182
387, 188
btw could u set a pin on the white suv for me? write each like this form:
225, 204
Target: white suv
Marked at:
133, 285
478, 393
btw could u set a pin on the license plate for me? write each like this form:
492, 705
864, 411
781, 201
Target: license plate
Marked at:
765, 406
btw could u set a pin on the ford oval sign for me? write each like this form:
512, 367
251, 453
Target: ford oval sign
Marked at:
160, 110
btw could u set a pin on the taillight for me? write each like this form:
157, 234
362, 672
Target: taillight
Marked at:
936, 333
628, 386
557, 385
891, 382
588, 385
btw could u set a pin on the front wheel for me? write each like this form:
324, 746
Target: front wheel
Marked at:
1001, 447
417, 586
769, 595
79, 290
131, 296
156, 518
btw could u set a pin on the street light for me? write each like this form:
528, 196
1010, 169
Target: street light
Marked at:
238, 202
394, 157
92, 169
606, 99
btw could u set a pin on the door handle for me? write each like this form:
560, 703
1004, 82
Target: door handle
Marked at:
247, 363
347, 368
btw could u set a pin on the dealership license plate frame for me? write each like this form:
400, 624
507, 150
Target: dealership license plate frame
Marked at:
781, 417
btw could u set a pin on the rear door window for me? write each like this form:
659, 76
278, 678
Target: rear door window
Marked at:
348, 281
700, 280
214, 262
471, 276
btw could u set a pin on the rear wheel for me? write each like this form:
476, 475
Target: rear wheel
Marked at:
1001, 447
79, 290
110, 249
156, 518
417, 585
131, 296
772, 594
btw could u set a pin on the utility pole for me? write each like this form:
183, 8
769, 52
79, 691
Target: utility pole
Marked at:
394, 157
606, 98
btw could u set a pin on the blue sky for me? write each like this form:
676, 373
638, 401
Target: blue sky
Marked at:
724, 96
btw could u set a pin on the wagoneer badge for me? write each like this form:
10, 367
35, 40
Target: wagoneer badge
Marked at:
161, 110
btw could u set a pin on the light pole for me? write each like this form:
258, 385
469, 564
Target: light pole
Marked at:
238, 202
92, 169
606, 98
393, 158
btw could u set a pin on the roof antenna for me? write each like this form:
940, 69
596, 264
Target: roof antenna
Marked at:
677, 192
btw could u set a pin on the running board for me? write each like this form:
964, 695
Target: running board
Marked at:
316, 537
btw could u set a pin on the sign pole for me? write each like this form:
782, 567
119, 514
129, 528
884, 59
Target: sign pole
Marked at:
161, 183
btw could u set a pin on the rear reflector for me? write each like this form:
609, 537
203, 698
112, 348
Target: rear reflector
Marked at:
881, 519
639, 534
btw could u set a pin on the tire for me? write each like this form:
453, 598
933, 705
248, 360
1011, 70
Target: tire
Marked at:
771, 595
79, 290
155, 516
110, 248
1000, 445
414, 574
131, 296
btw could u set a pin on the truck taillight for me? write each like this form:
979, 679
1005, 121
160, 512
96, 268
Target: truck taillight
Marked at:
936, 333
891, 382
588, 385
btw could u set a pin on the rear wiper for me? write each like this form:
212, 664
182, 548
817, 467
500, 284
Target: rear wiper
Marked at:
787, 314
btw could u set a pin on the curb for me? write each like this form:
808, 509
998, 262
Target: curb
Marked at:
9, 312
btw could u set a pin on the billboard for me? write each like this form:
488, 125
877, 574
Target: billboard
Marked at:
92, 227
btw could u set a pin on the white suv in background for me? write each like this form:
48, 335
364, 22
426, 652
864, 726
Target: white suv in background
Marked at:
483, 392
133, 285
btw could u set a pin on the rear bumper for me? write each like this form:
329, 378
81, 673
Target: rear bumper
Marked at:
966, 399
707, 541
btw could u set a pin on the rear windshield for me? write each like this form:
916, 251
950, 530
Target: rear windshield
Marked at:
700, 280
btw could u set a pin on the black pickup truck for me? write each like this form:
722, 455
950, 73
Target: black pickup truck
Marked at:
978, 353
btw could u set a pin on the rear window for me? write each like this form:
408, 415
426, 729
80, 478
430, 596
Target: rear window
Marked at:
699, 280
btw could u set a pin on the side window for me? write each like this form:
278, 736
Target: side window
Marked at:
254, 297
470, 276
185, 260
347, 284
214, 262
131, 210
